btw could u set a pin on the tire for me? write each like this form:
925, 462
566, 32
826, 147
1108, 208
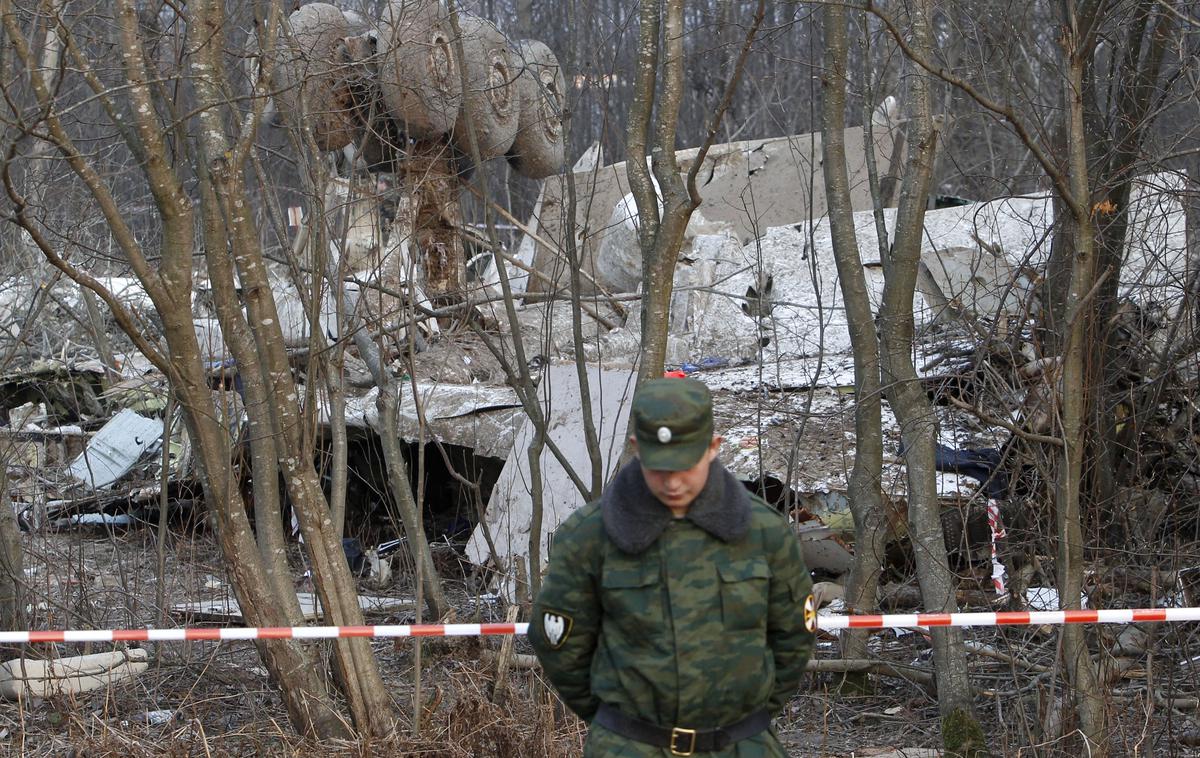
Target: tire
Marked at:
539, 148
418, 77
311, 75
491, 104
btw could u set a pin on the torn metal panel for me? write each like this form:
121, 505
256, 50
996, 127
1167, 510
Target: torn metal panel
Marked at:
476, 416
115, 449
509, 510
438, 401
972, 282
804, 440
803, 322
822, 549
777, 171
97, 502
67, 389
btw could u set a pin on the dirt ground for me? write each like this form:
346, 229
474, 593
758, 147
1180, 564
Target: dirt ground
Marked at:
205, 699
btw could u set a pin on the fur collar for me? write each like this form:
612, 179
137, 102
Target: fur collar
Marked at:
634, 518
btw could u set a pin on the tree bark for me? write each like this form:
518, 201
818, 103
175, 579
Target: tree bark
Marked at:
1078, 315
866, 505
961, 732
12, 575
661, 230
223, 170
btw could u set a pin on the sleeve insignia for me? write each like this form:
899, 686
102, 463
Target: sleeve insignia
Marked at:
556, 627
810, 614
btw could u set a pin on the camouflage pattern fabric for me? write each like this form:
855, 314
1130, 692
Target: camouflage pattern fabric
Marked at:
692, 632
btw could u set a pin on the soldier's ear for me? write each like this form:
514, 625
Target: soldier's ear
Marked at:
633, 443
715, 446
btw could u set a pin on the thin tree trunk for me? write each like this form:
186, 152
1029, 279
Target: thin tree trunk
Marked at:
1081, 672
12, 575
362, 685
259, 439
333, 369
164, 481
870, 523
961, 732
661, 231
661, 235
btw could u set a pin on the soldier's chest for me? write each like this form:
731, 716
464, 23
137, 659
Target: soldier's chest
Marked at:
686, 580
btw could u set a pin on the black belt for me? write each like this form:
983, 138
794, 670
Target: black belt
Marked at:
679, 740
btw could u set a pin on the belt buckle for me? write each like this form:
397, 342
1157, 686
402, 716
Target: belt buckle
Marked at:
676, 734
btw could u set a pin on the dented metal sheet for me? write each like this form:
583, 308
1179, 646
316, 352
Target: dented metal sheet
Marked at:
476, 416
446, 401
804, 321
784, 172
509, 510
115, 449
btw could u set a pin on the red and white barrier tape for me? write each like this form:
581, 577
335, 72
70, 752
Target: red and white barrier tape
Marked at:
1007, 618
261, 633
827, 623
997, 529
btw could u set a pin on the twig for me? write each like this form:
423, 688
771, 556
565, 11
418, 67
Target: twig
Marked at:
990, 652
884, 668
504, 659
524, 228
989, 419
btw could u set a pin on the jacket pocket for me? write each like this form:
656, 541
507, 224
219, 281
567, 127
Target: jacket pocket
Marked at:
745, 588
632, 599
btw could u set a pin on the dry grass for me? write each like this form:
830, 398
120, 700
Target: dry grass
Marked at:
222, 703
220, 699
219, 709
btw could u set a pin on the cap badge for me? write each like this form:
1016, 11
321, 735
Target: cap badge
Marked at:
664, 435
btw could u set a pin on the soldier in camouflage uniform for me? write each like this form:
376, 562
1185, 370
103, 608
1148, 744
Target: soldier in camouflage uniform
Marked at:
676, 615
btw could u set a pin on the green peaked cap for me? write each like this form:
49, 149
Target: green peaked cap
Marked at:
673, 423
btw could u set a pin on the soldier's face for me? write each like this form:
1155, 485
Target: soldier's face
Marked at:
677, 489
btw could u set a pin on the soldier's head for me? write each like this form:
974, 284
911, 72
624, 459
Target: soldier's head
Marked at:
673, 435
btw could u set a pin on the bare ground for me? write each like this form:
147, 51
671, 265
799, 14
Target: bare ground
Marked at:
204, 699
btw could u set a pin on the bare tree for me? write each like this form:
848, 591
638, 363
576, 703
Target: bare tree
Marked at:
961, 733
665, 202
12, 577
864, 493
139, 109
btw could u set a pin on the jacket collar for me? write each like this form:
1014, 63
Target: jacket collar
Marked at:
634, 518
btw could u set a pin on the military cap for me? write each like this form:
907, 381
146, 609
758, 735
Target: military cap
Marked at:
672, 422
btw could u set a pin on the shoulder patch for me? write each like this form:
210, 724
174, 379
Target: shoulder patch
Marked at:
557, 628
810, 614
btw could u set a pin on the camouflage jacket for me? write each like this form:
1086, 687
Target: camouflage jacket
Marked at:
693, 622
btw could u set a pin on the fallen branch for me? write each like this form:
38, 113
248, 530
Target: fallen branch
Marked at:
862, 666
988, 651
